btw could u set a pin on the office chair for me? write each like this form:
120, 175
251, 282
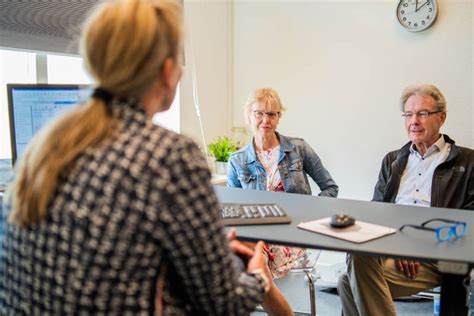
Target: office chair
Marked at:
301, 279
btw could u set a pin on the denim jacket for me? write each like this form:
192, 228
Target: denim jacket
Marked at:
297, 160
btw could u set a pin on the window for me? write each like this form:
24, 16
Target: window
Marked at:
75, 73
21, 67
15, 67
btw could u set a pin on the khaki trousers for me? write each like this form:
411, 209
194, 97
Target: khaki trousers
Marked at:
371, 284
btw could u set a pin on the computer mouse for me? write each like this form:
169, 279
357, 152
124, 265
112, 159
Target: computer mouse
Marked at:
341, 220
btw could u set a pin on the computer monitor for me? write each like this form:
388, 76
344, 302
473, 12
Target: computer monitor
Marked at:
31, 106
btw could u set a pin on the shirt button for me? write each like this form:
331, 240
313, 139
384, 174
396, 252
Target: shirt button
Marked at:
417, 190
414, 202
419, 174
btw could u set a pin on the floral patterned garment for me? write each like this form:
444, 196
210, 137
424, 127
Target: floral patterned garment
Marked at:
281, 259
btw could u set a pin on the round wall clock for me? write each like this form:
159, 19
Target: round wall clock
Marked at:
417, 15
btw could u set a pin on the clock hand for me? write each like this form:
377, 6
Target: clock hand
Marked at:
407, 13
416, 6
428, 1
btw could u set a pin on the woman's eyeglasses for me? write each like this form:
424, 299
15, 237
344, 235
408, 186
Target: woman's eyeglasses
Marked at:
260, 114
443, 232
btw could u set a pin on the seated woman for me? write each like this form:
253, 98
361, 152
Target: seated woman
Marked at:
274, 162
111, 214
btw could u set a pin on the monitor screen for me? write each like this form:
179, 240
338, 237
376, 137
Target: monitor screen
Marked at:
31, 106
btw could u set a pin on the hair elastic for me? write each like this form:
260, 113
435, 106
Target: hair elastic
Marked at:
102, 94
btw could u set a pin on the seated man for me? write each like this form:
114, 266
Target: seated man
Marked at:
430, 170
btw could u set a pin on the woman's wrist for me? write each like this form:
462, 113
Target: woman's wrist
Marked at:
261, 277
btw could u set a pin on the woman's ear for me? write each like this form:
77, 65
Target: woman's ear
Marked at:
167, 72
170, 75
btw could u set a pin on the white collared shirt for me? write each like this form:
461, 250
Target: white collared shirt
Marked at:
417, 178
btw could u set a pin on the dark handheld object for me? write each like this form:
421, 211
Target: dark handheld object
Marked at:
342, 221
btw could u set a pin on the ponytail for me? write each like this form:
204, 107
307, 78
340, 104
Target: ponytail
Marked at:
51, 153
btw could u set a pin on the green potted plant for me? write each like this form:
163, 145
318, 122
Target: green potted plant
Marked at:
220, 149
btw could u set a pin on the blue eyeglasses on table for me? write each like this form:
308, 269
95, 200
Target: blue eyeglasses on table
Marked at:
443, 232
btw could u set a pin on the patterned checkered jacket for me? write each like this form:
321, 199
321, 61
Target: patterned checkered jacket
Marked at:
139, 207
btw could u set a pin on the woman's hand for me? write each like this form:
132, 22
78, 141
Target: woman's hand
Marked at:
259, 260
239, 248
256, 258
274, 302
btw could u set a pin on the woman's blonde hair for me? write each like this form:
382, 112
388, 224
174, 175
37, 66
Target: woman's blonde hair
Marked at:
265, 97
124, 45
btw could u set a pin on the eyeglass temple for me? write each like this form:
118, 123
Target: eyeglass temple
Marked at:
417, 227
441, 220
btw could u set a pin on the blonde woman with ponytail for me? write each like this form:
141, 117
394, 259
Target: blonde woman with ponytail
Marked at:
111, 214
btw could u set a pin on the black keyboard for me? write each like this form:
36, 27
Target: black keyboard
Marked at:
253, 214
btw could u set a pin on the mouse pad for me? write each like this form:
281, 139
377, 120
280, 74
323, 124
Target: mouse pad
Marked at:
358, 233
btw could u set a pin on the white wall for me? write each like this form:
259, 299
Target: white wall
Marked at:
472, 70
209, 44
340, 67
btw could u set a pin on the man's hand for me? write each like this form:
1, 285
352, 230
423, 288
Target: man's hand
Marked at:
408, 267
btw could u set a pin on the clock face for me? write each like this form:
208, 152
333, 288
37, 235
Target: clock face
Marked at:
417, 15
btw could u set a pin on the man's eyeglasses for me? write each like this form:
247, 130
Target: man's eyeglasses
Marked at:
443, 232
421, 114
260, 114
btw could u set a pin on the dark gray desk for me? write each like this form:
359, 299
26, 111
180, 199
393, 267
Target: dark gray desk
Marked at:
455, 257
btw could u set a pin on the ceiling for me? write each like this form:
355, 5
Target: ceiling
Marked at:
49, 26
